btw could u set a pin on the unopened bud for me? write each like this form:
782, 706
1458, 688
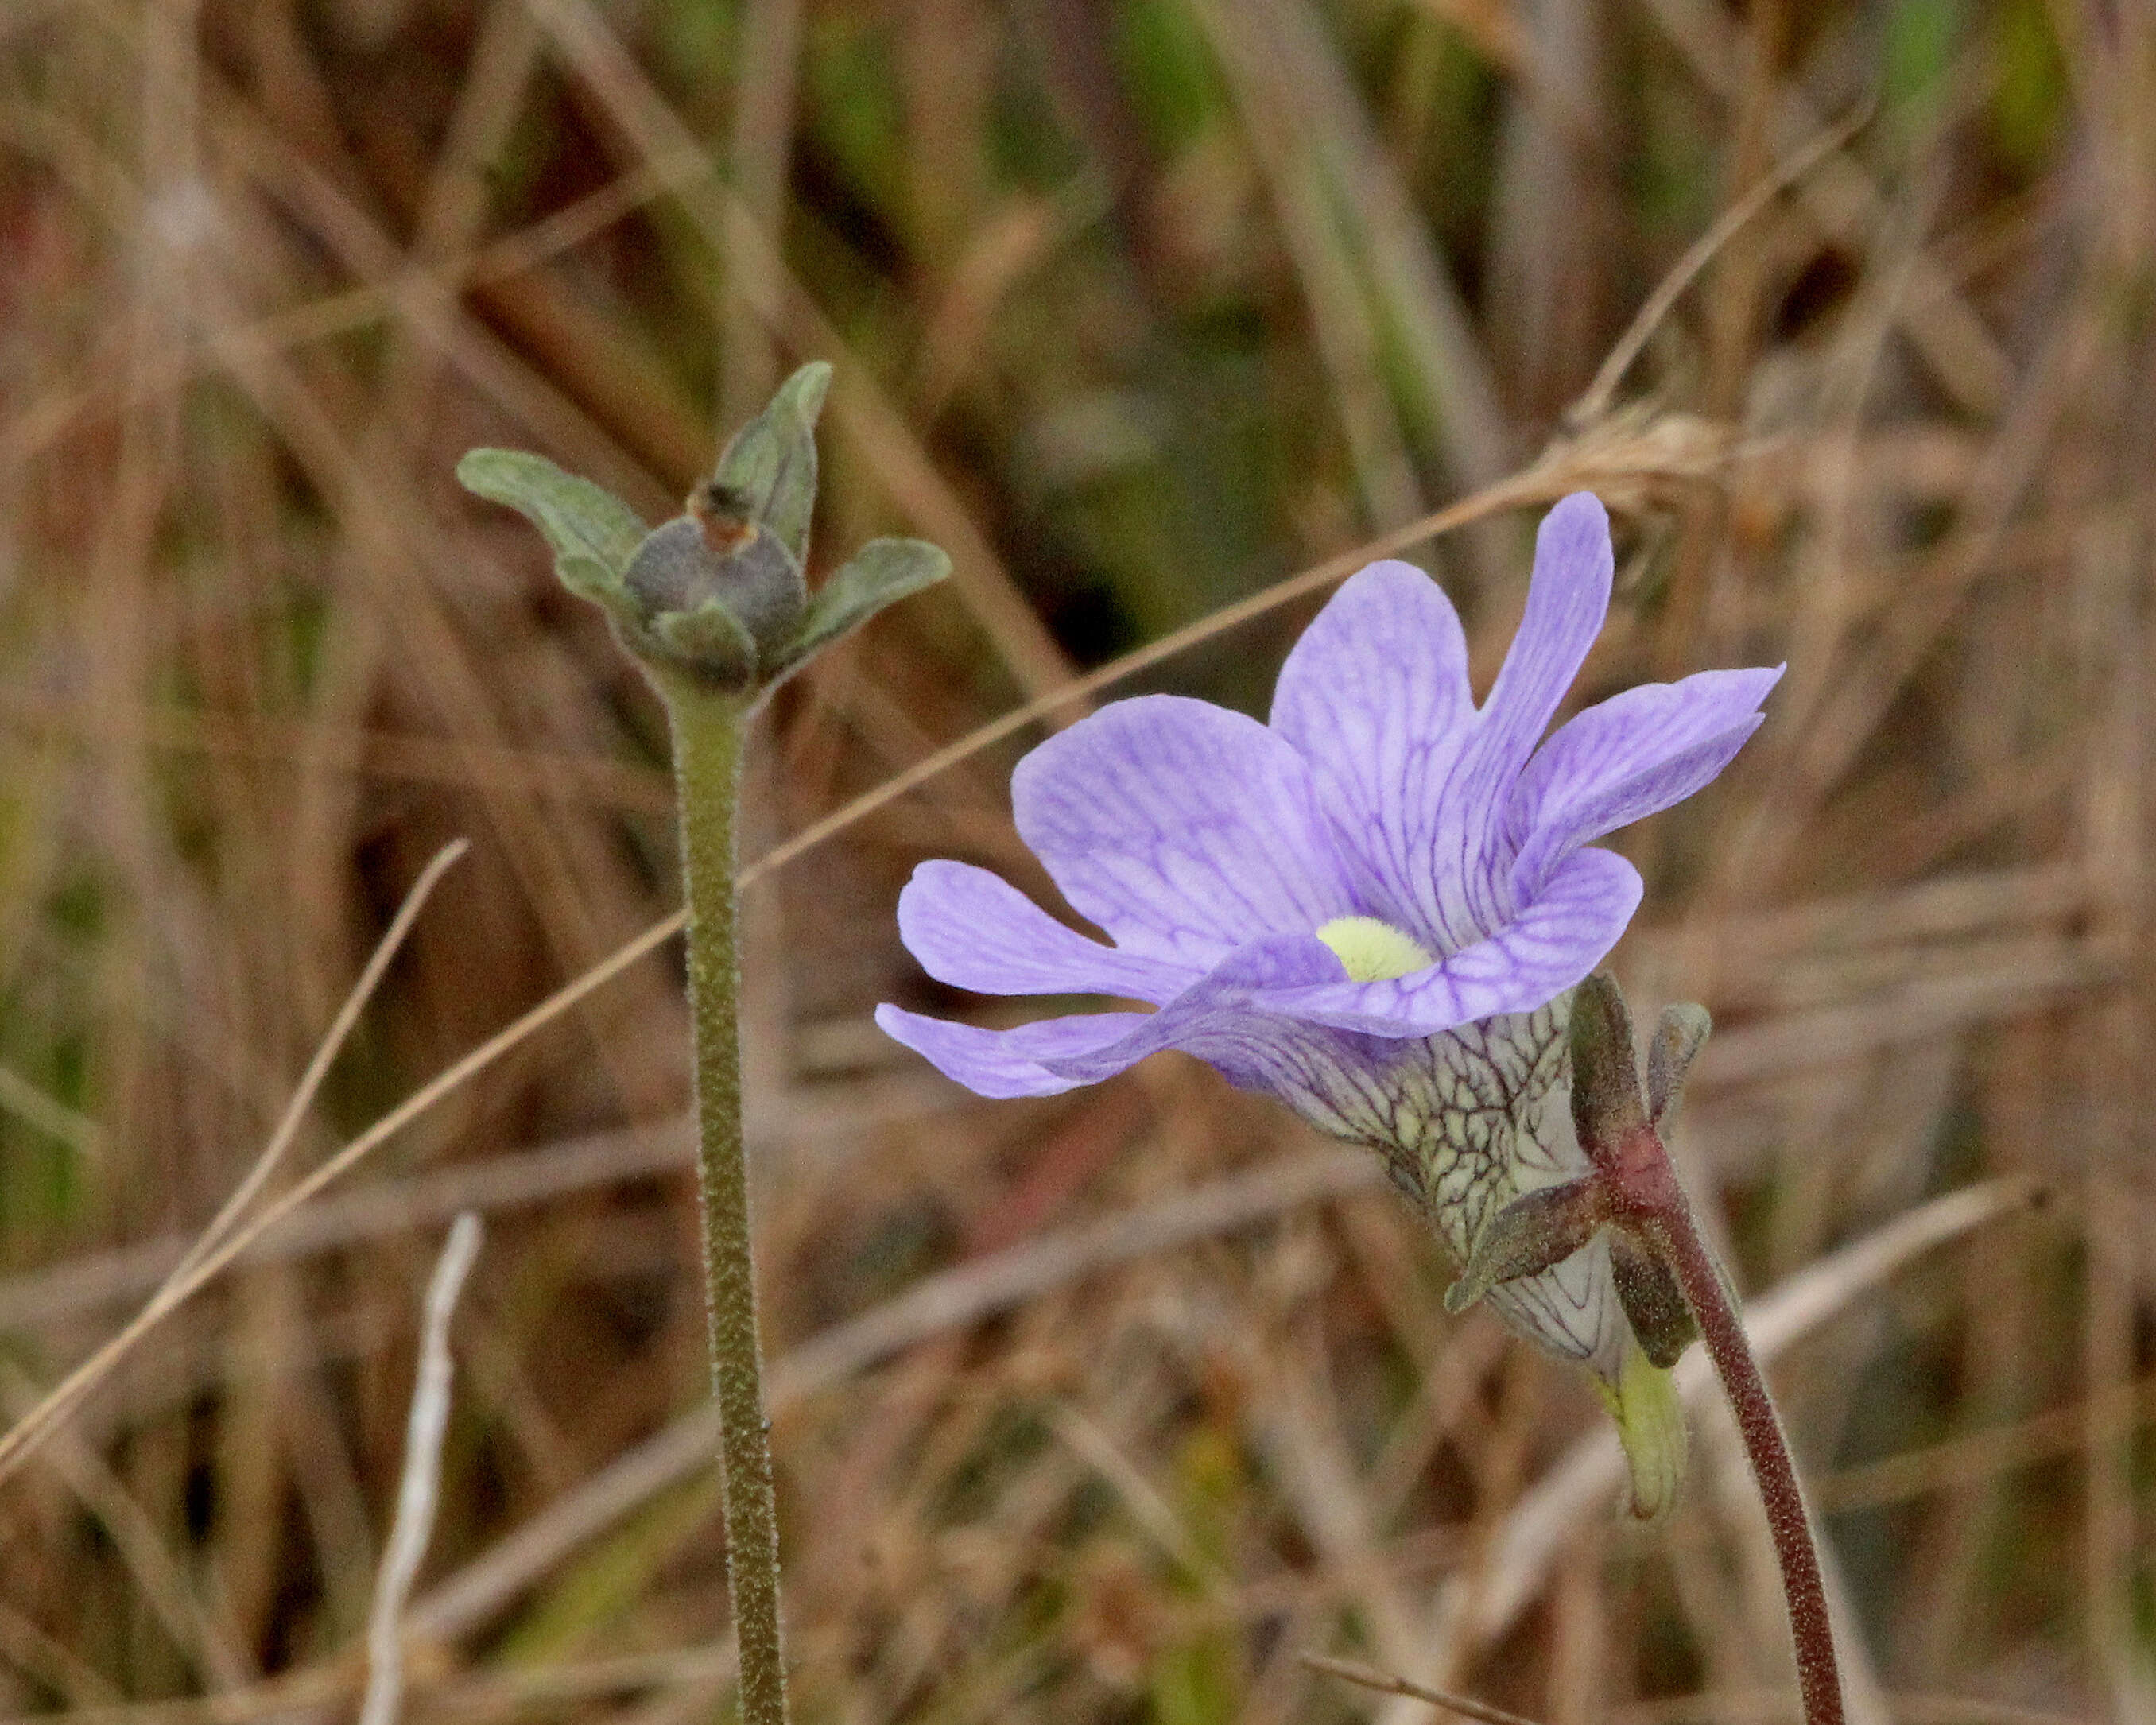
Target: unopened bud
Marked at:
714, 598
706, 558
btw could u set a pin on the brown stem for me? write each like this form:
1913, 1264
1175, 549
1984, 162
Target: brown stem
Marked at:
1817, 1678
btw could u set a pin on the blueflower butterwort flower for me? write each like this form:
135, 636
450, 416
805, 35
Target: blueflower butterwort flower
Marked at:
1373, 908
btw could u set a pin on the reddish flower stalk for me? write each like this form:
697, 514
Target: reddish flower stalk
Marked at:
1634, 1189
1677, 1234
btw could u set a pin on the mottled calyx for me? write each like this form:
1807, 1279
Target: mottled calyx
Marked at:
1372, 951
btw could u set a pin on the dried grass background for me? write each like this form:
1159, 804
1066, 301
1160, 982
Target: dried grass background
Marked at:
1102, 1407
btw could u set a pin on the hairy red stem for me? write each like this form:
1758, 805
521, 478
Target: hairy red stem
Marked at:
1675, 1232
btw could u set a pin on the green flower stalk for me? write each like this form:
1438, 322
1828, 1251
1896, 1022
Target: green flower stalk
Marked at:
716, 608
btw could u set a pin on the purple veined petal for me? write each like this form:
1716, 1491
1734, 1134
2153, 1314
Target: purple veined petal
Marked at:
1568, 599
1220, 1017
1006, 1063
1628, 757
1183, 829
974, 929
1548, 948
1375, 697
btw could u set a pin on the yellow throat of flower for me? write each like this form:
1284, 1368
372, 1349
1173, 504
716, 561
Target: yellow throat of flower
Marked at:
1374, 952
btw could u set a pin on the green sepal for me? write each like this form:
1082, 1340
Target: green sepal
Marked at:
1679, 1034
767, 473
710, 644
1654, 1304
880, 573
1606, 1105
1527, 1237
592, 532
1651, 1426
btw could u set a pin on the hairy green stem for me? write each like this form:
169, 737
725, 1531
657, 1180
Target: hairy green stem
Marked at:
708, 731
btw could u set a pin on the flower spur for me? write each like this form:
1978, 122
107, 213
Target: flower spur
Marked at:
1373, 908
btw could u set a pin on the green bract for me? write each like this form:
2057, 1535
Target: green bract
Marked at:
717, 594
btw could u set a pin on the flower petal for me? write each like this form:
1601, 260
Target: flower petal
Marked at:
1568, 599
1220, 1018
1181, 829
1375, 697
1214, 1019
1005, 1063
1632, 755
974, 929
1548, 946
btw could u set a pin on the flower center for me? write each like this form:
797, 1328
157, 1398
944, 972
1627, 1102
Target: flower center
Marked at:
1374, 952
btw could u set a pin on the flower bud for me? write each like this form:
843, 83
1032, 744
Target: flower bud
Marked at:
713, 557
714, 598
707, 555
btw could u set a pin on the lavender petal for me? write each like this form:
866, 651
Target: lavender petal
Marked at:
1181, 829
974, 929
1628, 757
1005, 1063
1220, 1018
1567, 599
1375, 697
1546, 948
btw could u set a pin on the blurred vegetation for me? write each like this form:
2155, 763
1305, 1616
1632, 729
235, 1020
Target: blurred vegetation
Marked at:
1137, 306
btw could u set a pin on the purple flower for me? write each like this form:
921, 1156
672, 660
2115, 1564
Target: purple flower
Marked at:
1372, 907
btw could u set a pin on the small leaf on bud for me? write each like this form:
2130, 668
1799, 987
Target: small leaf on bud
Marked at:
767, 472
592, 532
881, 572
710, 641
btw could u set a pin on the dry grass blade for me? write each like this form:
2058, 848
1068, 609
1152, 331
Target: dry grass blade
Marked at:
517, 1179
940, 1303
180, 1287
24, 1435
20, 1097
1595, 402
419, 1488
1367, 1677
332, 1043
